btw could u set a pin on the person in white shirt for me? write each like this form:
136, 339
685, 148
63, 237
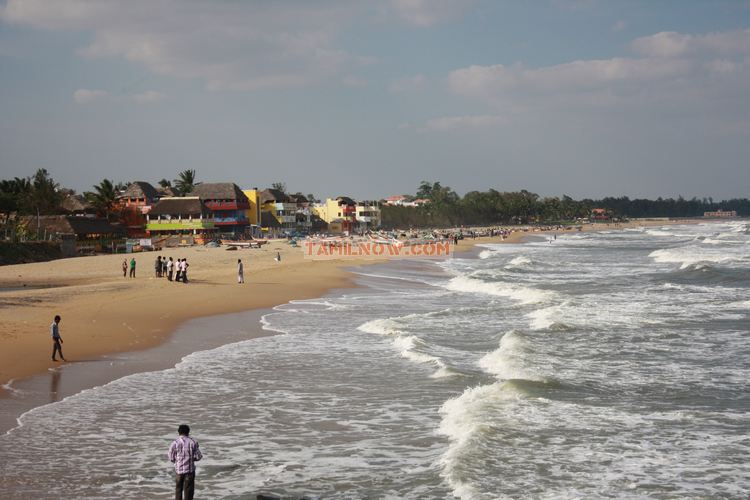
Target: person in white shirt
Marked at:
170, 268
240, 272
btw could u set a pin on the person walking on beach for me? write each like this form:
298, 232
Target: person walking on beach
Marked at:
124, 268
278, 257
157, 266
132, 267
56, 339
240, 272
183, 453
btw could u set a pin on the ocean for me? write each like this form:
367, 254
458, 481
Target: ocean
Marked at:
608, 364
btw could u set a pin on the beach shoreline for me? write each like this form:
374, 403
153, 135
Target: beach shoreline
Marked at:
130, 320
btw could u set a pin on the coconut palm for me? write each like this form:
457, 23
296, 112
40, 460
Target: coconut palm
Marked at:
103, 197
185, 181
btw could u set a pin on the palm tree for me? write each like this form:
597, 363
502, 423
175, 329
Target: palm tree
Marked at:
103, 198
185, 182
45, 196
165, 183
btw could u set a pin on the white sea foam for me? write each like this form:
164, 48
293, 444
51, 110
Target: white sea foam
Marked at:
408, 346
486, 254
524, 295
657, 232
544, 318
383, 326
463, 421
518, 262
8, 386
689, 256
509, 360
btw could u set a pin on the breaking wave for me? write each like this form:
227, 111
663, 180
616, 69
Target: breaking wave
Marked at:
524, 295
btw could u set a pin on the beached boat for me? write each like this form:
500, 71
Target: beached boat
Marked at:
244, 243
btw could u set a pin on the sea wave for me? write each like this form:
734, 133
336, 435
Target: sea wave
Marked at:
463, 422
519, 262
658, 232
510, 360
524, 295
689, 255
548, 318
410, 347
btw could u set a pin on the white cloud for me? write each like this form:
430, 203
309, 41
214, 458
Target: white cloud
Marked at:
407, 84
429, 12
446, 123
486, 81
148, 96
671, 44
675, 71
86, 96
229, 45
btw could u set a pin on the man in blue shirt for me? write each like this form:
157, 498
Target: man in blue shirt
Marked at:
56, 338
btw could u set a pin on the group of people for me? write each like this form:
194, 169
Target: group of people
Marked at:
171, 269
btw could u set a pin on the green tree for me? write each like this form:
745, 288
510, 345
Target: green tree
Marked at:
279, 186
45, 195
185, 182
103, 198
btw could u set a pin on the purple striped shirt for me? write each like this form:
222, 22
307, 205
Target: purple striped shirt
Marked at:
184, 452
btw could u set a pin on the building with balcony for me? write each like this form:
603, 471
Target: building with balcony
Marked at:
340, 214
228, 206
291, 212
133, 204
180, 216
368, 215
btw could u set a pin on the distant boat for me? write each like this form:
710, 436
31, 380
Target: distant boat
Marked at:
244, 244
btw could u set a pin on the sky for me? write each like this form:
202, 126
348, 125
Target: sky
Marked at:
586, 98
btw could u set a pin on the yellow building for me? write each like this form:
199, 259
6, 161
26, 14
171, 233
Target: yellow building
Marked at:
253, 213
340, 214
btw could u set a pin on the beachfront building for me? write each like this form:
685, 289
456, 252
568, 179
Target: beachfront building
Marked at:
253, 210
339, 213
133, 204
78, 235
368, 215
720, 214
183, 216
228, 206
397, 200
291, 212
75, 204
600, 214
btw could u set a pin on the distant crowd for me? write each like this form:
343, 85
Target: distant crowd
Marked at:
173, 270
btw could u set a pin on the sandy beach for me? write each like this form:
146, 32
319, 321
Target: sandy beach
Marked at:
104, 314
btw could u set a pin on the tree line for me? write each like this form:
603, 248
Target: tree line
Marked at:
40, 194
447, 209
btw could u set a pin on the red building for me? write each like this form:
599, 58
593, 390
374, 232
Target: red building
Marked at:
133, 204
227, 203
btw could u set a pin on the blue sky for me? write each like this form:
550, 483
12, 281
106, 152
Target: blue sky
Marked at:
587, 98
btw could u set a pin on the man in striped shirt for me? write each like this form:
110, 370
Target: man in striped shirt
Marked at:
184, 452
